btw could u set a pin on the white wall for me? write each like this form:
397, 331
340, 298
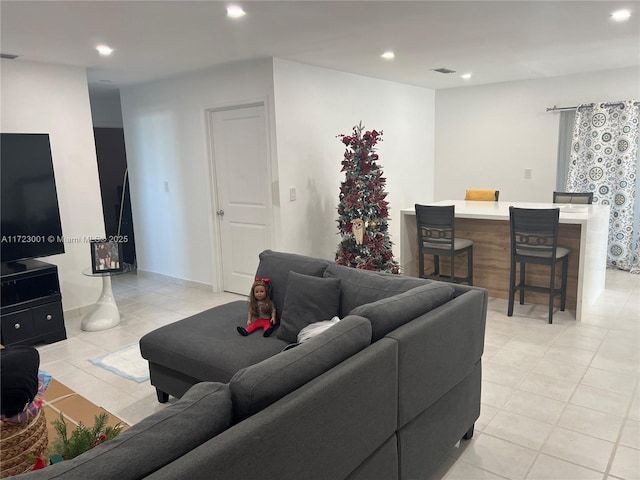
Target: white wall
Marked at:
166, 141
312, 106
43, 98
486, 136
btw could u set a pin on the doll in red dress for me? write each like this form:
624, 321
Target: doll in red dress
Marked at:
262, 311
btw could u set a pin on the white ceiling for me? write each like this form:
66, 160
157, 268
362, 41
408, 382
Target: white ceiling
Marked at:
497, 41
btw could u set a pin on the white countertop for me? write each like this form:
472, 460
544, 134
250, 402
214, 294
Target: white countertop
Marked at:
569, 213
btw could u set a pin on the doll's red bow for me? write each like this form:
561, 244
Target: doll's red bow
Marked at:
265, 280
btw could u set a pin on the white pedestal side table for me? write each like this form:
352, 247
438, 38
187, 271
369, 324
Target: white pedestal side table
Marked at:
104, 314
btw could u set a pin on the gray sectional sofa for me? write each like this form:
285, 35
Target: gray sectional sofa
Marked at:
383, 394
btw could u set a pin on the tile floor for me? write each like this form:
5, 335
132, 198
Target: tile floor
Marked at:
559, 402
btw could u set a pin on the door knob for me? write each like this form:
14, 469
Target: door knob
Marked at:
220, 212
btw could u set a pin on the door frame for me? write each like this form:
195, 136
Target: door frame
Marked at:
214, 225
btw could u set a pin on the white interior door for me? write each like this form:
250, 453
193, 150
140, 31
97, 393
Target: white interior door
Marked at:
243, 190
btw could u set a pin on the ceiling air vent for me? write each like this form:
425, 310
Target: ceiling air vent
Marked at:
443, 70
8, 56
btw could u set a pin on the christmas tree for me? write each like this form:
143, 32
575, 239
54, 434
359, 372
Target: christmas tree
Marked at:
363, 210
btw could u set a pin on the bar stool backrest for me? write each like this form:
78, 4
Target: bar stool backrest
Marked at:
534, 232
571, 197
486, 195
436, 227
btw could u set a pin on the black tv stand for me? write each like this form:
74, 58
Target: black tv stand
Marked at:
13, 267
31, 308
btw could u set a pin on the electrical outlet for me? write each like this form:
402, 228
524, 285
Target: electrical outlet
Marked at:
292, 194
528, 173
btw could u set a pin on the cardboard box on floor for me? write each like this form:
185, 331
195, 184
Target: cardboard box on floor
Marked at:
75, 408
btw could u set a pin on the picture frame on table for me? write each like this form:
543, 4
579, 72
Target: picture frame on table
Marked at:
106, 256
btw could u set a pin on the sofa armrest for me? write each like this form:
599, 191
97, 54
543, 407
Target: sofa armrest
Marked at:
438, 350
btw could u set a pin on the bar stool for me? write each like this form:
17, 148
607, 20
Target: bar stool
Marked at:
534, 239
486, 195
436, 236
571, 197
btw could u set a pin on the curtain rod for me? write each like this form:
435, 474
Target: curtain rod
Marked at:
588, 105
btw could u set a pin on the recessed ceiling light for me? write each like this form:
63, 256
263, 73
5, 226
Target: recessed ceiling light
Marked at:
104, 50
388, 55
465, 76
234, 11
621, 15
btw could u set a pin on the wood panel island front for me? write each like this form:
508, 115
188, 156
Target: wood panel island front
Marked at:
583, 229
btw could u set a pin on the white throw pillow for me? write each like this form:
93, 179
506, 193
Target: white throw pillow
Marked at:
316, 328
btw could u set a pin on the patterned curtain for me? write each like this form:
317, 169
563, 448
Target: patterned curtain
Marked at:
604, 160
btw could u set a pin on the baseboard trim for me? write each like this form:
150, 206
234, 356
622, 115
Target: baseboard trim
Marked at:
176, 281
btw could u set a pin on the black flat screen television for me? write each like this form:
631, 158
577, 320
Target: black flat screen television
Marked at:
30, 217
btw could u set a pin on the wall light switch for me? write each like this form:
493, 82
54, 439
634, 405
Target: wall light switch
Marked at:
528, 173
292, 194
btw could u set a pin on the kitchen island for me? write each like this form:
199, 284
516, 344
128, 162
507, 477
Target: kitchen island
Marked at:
583, 229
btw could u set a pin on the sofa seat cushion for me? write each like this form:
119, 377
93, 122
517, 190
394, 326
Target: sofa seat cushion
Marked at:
308, 299
277, 265
361, 286
207, 346
159, 439
255, 388
389, 313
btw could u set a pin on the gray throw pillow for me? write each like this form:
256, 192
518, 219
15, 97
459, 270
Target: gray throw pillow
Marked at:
278, 265
389, 313
256, 387
308, 300
362, 286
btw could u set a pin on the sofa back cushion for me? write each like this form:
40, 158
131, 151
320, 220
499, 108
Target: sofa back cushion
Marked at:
258, 386
308, 300
389, 313
159, 439
277, 265
361, 286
